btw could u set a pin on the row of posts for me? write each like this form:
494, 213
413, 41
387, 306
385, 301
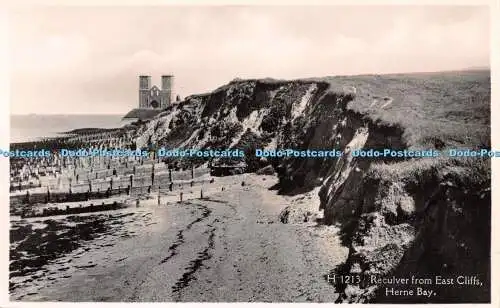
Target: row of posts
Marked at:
130, 186
78, 164
134, 170
131, 177
128, 191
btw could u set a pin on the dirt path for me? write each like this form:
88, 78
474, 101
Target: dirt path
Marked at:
229, 247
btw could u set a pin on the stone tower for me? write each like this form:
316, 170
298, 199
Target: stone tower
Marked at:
152, 96
144, 88
166, 90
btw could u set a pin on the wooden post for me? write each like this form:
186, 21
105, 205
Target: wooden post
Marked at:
153, 175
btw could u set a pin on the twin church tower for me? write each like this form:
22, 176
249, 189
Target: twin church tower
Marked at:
154, 97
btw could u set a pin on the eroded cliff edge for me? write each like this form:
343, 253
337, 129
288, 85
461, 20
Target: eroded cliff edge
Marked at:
402, 217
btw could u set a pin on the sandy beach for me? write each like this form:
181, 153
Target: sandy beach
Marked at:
229, 246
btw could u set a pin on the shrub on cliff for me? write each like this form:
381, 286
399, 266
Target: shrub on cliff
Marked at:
274, 119
249, 142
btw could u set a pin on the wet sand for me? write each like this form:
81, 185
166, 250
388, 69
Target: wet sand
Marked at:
227, 247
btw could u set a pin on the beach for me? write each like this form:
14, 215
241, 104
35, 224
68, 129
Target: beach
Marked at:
227, 247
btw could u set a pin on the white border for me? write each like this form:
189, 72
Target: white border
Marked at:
4, 144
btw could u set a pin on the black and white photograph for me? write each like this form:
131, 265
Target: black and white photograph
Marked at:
250, 153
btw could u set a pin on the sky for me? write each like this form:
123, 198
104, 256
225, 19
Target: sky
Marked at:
69, 60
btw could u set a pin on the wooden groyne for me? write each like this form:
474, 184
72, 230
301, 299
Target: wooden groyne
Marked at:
62, 197
53, 211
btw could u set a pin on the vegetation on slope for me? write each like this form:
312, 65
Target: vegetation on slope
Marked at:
447, 108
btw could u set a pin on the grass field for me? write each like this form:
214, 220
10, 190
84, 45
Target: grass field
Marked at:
447, 108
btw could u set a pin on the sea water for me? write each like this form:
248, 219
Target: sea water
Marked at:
33, 127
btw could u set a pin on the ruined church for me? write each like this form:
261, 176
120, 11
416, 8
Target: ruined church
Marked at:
153, 97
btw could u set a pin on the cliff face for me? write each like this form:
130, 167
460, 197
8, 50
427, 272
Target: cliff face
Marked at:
248, 115
426, 219
399, 216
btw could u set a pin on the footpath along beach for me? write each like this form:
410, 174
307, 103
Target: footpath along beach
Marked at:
228, 246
